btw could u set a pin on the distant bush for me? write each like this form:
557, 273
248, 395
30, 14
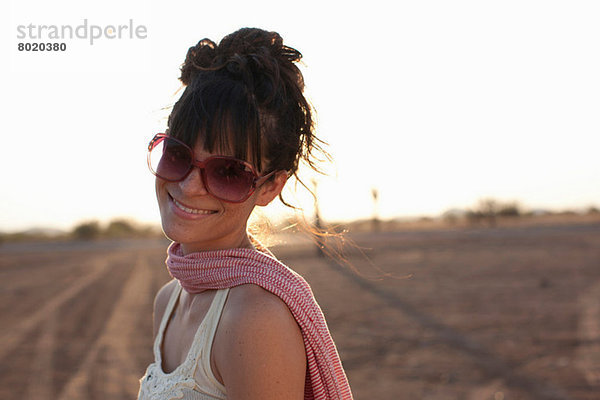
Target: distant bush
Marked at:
87, 230
116, 229
474, 216
120, 228
126, 228
510, 210
488, 210
566, 213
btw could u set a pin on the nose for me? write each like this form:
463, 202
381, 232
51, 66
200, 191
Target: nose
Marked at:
193, 184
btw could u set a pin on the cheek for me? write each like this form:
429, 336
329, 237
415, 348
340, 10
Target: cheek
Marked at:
161, 195
157, 189
239, 212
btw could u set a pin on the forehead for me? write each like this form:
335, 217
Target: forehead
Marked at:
221, 121
220, 148
201, 152
222, 143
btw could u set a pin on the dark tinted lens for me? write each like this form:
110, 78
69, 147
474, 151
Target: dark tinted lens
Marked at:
170, 160
229, 180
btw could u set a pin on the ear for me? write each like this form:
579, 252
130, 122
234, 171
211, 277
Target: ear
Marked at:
271, 188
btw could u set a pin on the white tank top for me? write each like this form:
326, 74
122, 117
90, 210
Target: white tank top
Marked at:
193, 379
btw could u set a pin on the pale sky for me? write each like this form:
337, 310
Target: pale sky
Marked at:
435, 103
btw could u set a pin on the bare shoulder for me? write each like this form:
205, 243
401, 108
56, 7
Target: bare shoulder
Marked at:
259, 351
254, 305
160, 302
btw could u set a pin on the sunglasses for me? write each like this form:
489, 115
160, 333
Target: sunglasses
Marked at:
225, 178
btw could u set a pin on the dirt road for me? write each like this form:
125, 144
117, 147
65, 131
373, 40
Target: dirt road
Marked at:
505, 313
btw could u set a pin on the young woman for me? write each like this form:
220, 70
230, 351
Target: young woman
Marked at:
235, 322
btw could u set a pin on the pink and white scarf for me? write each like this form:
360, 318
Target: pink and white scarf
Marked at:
219, 269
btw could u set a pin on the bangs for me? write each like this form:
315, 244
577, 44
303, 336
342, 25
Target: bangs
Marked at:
219, 114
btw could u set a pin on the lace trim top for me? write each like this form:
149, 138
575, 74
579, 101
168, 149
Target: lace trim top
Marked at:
193, 379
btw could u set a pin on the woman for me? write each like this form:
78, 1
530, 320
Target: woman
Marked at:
235, 323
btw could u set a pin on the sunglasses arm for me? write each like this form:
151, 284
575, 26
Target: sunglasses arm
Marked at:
259, 181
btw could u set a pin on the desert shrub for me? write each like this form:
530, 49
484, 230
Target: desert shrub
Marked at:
87, 230
474, 216
509, 210
120, 228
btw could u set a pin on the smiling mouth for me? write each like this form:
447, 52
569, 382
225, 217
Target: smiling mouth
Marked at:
191, 210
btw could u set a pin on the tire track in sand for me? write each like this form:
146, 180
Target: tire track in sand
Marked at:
13, 338
109, 369
588, 332
498, 371
40, 382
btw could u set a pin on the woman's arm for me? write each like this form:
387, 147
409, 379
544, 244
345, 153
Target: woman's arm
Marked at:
259, 352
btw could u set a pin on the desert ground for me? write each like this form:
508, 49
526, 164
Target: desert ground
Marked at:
509, 312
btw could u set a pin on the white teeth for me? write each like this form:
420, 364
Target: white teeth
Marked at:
191, 210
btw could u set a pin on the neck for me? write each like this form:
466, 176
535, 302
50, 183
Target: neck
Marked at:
243, 242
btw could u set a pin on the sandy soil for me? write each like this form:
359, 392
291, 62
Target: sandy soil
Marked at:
502, 313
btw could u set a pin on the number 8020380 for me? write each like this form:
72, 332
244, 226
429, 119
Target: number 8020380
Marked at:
42, 46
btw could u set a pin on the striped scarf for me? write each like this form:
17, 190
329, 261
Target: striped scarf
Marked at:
219, 269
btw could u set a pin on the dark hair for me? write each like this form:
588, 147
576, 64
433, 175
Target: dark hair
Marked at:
245, 96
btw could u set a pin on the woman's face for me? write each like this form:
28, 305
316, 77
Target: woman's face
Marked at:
199, 221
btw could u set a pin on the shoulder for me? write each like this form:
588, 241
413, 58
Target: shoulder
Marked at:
249, 303
258, 315
160, 302
259, 351
254, 313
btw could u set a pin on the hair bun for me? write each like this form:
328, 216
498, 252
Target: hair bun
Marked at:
253, 41
198, 58
247, 48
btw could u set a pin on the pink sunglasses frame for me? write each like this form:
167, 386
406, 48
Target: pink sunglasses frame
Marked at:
256, 182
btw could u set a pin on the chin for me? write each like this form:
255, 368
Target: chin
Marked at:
181, 234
